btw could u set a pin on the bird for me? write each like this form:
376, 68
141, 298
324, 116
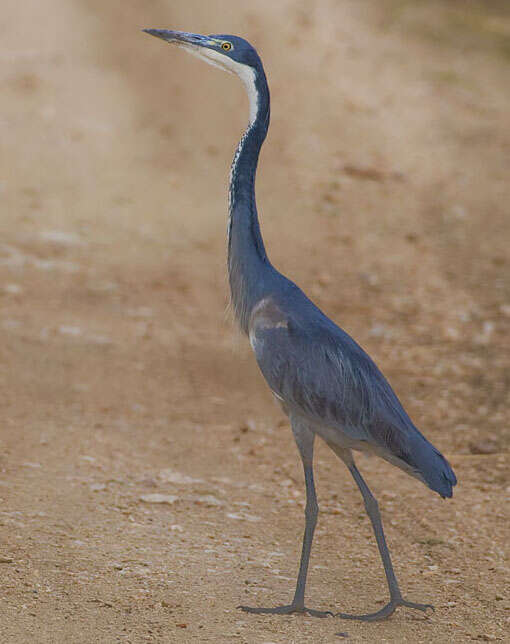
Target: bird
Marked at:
324, 381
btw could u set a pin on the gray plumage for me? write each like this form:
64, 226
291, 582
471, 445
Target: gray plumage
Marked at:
326, 384
321, 374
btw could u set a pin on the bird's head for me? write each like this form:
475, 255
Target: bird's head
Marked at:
231, 53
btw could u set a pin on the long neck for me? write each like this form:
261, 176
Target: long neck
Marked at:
247, 260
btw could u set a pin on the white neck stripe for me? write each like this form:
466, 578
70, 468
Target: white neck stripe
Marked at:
245, 73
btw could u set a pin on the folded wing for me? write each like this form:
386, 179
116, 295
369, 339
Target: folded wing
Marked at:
320, 371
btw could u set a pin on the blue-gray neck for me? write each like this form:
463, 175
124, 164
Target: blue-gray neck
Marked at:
249, 269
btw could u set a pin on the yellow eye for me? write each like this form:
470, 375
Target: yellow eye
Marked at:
226, 46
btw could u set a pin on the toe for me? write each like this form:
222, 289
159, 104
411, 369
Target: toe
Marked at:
422, 607
286, 610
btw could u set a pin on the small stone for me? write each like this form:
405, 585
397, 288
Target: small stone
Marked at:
13, 289
451, 333
483, 447
249, 425
103, 287
69, 330
148, 482
6, 560
169, 499
97, 487
484, 337
170, 476
140, 312
100, 339
208, 500
324, 279
380, 331
458, 212
61, 237
242, 517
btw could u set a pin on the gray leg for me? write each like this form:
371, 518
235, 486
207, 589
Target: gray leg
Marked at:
304, 440
372, 509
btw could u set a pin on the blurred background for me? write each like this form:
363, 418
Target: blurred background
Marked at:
383, 192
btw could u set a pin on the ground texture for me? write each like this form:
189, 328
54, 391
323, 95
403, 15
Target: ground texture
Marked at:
148, 482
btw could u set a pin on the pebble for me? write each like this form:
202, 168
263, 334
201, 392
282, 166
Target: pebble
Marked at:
324, 279
483, 447
451, 333
61, 237
100, 339
170, 499
13, 289
249, 425
242, 517
170, 476
140, 312
103, 287
9, 324
484, 337
69, 330
380, 331
208, 500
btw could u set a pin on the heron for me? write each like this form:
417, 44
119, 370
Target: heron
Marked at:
324, 381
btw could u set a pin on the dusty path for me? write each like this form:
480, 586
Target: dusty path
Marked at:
384, 193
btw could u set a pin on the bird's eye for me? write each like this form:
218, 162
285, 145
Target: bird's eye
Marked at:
226, 46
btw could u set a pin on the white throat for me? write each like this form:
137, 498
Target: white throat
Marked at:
245, 73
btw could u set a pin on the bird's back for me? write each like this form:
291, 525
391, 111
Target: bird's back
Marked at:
321, 373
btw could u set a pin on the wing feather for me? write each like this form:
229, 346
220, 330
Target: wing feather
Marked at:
328, 377
317, 369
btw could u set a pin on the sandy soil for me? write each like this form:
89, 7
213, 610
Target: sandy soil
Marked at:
383, 192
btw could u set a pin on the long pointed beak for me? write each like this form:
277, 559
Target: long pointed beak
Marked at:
179, 37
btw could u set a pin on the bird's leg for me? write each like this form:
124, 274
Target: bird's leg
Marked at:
311, 512
304, 439
372, 509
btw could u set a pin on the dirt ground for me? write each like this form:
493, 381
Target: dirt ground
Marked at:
383, 192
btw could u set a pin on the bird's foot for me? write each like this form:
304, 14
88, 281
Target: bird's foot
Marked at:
386, 611
286, 610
